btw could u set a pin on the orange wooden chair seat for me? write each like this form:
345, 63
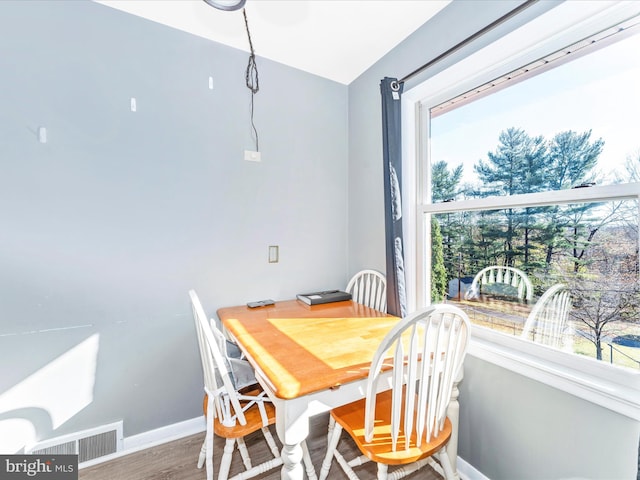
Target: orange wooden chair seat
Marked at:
351, 418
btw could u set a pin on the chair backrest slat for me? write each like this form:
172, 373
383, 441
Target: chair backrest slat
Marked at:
413, 372
397, 394
428, 348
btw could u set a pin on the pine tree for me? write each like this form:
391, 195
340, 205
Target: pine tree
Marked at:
445, 186
516, 167
438, 272
571, 162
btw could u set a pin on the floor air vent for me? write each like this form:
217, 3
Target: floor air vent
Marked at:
88, 444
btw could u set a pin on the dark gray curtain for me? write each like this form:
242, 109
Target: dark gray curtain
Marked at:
391, 91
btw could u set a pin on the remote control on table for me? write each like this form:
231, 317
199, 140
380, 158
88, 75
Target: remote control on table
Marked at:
260, 303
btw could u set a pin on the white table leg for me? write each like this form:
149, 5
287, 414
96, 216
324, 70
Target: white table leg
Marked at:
292, 425
292, 462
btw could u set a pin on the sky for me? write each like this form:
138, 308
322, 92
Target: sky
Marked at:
552, 102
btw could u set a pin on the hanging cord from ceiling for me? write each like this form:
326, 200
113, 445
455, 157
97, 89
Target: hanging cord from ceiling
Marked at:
251, 76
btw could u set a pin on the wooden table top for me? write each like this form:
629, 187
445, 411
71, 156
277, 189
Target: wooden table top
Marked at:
302, 349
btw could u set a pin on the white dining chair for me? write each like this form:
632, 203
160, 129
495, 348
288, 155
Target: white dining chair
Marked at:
405, 426
369, 287
234, 404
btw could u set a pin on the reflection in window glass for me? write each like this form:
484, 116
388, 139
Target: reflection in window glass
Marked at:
561, 275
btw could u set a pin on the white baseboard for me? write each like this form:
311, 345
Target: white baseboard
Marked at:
467, 472
152, 438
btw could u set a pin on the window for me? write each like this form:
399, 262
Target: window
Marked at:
529, 187
518, 253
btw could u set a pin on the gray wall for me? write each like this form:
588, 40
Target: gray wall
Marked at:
514, 427
106, 227
511, 427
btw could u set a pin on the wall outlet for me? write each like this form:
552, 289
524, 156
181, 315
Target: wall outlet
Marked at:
251, 156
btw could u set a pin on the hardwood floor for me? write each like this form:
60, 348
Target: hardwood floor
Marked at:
177, 460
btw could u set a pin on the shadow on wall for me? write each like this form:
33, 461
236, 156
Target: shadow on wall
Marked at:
42, 402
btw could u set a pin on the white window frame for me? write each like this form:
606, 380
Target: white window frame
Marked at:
612, 387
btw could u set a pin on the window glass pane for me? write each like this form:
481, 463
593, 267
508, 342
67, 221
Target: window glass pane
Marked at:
569, 126
562, 275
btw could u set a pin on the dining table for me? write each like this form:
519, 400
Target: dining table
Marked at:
310, 359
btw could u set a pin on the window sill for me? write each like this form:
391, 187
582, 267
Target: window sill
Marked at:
612, 387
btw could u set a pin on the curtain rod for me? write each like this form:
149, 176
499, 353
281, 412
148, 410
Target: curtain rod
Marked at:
470, 39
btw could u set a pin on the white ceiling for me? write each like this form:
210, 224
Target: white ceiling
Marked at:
336, 39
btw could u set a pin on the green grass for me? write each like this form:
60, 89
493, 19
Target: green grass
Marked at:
509, 318
621, 354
